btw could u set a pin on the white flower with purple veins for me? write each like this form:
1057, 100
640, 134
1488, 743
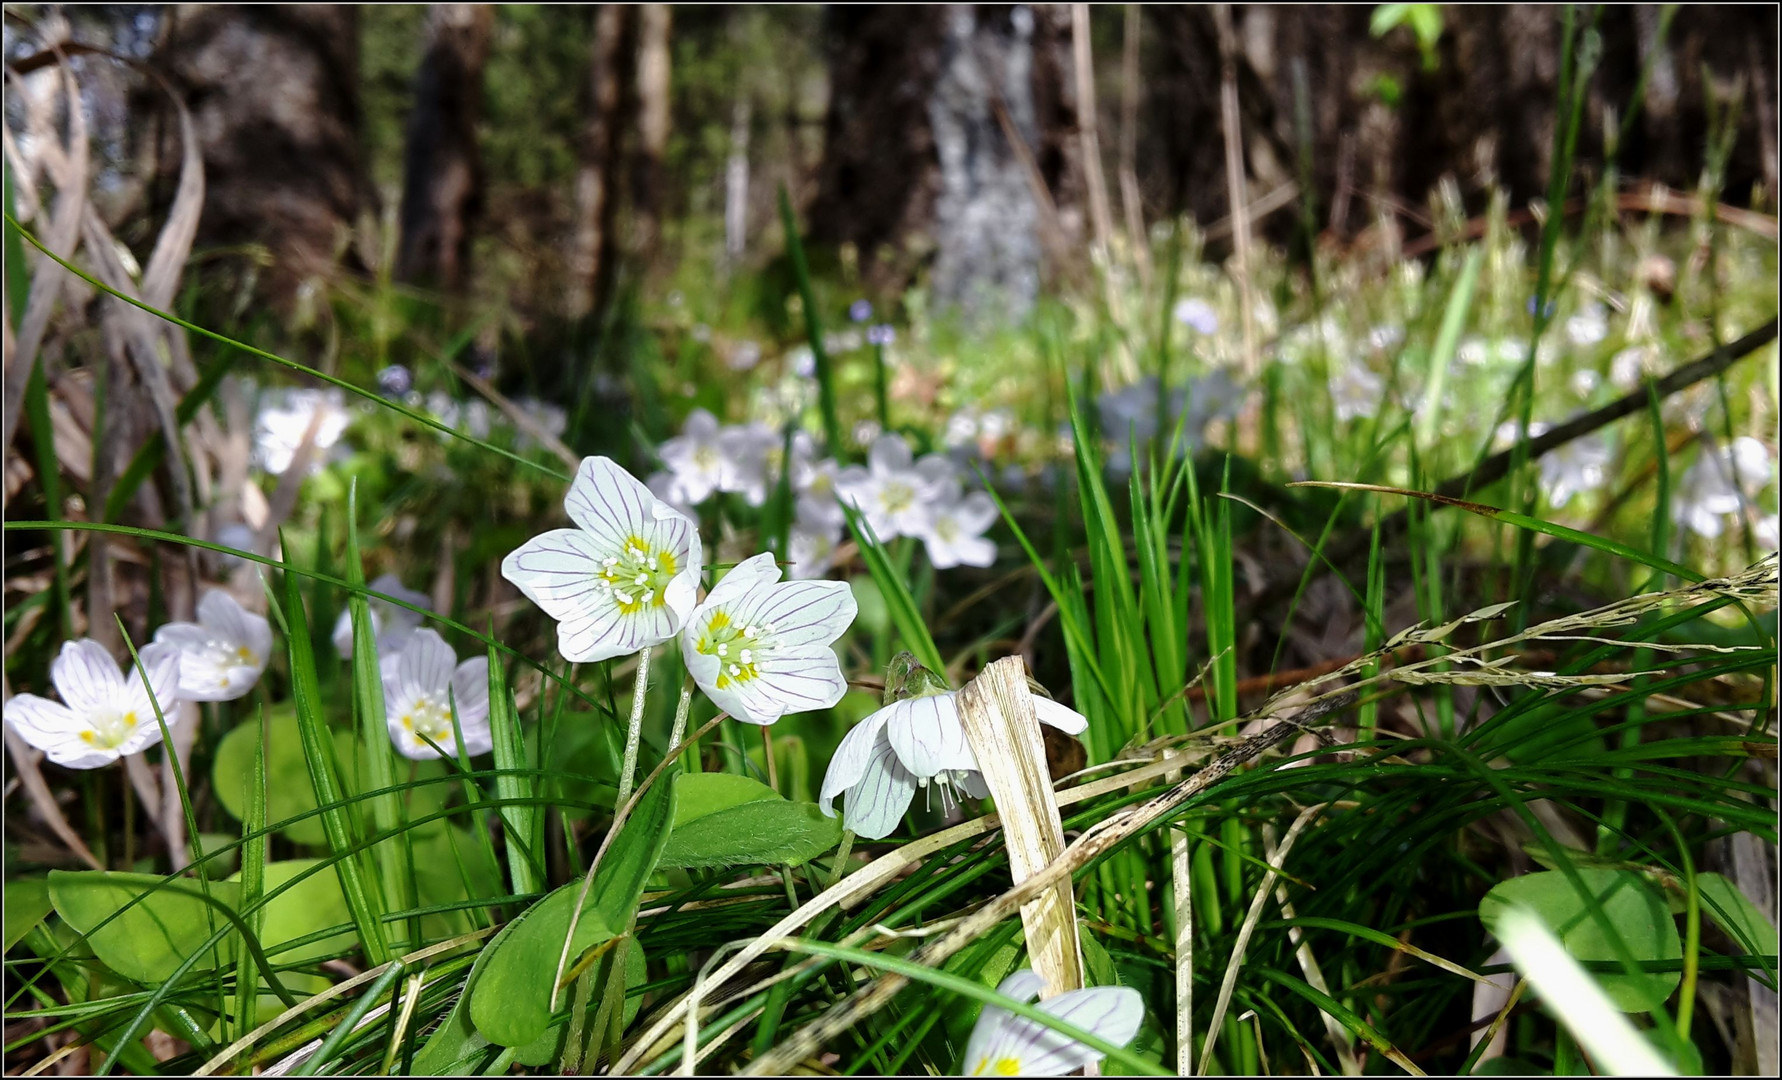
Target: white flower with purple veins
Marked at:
1197, 315
885, 758
696, 458
1003, 1044
1717, 484
280, 428
760, 647
221, 655
1577, 466
1356, 392
954, 533
105, 713
895, 493
625, 579
1589, 326
423, 685
391, 624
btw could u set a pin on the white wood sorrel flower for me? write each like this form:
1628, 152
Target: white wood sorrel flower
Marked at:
221, 655
625, 580
105, 713
390, 625
886, 757
422, 684
1003, 1044
759, 647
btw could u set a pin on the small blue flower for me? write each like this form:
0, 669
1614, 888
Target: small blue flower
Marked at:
881, 334
1552, 306
860, 310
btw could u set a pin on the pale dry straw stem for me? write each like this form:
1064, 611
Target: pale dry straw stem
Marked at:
996, 710
1094, 842
1229, 983
1184, 888
1308, 963
869, 878
411, 992
25, 760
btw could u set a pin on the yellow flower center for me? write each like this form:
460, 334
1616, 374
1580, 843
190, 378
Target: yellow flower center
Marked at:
638, 576
896, 497
430, 715
738, 649
109, 728
1007, 1066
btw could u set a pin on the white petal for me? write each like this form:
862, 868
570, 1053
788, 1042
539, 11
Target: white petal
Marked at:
1112, 1012
86, 675
1062, 717
425, 665
161, 664
803, 612
976, 512
41, 722
391, 585
752, 573
609, 502
927, 735
223, 617
479, 738
558, 571
878, 802
470, 693
848, 764
804, 680
889, 454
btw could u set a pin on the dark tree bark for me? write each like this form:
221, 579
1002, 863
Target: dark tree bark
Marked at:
919, 164
442, 176
1484, 115
274, 93
594, 250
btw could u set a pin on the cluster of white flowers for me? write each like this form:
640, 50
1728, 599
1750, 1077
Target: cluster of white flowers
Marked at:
626, 578
898, 495
108, 712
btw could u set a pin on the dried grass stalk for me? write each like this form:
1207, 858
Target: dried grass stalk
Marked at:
996, 709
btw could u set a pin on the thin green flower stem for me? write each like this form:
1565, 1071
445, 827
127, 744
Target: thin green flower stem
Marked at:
634, 731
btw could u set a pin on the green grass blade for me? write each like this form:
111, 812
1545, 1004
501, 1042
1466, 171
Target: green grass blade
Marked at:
355, 885
813, 327
905, 615
522, 823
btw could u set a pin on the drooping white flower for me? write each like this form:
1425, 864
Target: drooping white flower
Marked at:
1717, 484
422, 685
1197, 315
894, 492
106, 712
885, 758
221, 655
954, 532
390, 625
1003, 1044
625, 579
696, 458
1356, 392
759, 647
280, 427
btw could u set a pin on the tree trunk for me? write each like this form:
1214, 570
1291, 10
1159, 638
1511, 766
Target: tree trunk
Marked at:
653, 25
594, 247
442, 177
273, 91
952, 135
